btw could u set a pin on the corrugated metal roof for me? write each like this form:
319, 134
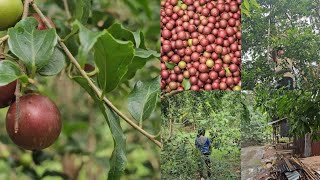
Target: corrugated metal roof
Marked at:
276, 121
294, 175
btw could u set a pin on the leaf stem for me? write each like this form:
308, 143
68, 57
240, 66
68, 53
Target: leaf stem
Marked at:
94, 72
93, 86
66, 8
25, 9
4, 38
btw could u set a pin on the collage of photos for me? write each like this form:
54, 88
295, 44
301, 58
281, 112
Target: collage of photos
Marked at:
268, 131
160, 90
79, 90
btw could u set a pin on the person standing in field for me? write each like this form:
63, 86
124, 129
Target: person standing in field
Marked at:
203, 144
284, 70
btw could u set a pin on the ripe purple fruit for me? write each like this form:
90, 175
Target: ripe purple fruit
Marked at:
7, 94
39, 124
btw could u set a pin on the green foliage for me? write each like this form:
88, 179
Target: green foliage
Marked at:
254, 127
248, 5
9, 72
33, 47
220, 114
55, 65
112, 57
118, 157
143, 99
292, 25
300, 107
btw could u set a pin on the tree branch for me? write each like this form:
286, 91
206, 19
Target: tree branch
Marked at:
93, 86
171, 93
17, 115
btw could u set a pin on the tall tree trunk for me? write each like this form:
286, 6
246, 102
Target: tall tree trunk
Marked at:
307, 145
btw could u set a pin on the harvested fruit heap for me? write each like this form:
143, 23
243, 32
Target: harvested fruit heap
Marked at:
201, 45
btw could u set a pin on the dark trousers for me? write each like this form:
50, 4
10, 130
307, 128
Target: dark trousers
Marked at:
285, 83
205, 164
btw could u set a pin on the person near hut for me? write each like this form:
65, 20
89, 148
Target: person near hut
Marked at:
203, 144
284, 69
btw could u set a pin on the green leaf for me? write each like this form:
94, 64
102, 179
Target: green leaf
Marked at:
9, 72
254, 2
34, 48
55, 65
139, 61
118, 158
146, 7
142, 54
138, 39
113, 58
80, 9
245, 11
170, 65
186, 84
119, 32
142, 100
146, 54
87, 41
246, 4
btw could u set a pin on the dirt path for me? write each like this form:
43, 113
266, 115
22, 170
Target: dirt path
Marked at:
312, 162
251, 161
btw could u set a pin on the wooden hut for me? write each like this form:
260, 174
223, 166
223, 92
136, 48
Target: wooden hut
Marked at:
281, 128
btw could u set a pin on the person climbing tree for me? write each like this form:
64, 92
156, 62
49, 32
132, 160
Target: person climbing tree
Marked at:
283, 69
203, 144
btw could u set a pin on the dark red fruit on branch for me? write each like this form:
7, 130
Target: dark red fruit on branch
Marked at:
7, 94
39, 124
88, 68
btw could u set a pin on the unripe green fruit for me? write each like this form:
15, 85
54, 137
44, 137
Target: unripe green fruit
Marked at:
182, 65
184, 6
210, 63
10, 13
189, 42
237, 88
